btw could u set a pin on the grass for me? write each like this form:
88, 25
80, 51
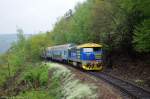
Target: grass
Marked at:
37, 73
8, 67
3, 73
36, 77
34, 95
6, 72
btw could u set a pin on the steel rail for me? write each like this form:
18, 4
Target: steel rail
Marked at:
134, 91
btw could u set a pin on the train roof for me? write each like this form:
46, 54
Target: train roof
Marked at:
65, 46
89, 45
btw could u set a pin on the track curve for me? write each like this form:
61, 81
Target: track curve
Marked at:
134, 91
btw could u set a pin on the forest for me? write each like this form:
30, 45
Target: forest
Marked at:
122, 26
124, 23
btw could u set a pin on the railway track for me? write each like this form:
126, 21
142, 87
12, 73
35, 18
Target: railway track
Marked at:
132, 90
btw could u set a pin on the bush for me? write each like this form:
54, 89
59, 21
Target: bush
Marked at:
142, 37
34, 95
36, 74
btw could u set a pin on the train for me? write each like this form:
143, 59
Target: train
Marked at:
87, 56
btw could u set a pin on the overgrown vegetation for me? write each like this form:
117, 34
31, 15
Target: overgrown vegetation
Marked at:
142, 36
117, 24
53, 81
33, 94
35, 75
22, 53
34, 83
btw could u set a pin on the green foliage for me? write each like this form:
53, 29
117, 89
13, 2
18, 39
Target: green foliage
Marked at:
102, 21
43, 94
37, 78
3, 69
74, 28
24, 51
92, 21
142, 37
13, 59
4, 74
135, 12
36, 45
36, 73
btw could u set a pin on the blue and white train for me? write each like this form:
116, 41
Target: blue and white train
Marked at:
87, 56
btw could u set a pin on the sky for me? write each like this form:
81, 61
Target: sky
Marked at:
33, 16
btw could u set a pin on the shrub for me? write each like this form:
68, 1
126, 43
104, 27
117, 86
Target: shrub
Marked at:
142, 37
34, 95
36, 73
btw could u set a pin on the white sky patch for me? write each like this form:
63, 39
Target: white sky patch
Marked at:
32, 15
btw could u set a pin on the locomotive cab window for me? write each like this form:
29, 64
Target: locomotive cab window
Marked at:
96, 49
87, 49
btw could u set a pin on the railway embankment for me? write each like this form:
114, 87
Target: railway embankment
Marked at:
103, 89
128, 89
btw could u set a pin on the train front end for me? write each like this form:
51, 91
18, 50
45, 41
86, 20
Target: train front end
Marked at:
91, 56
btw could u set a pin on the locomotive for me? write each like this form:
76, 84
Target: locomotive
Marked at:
87, 56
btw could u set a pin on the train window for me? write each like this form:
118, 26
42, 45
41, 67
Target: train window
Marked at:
97, 49
87, 49
65, 52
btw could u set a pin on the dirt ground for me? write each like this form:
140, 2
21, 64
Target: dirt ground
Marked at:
104, 90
